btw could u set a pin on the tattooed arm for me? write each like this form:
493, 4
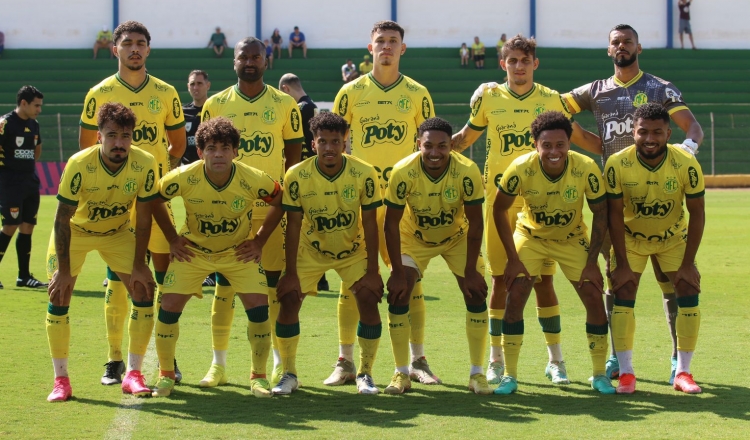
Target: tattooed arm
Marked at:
61, 286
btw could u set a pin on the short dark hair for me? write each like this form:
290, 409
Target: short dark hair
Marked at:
116, 113
131, 26
387, 25
218, 129
248, 41
28, 93
519, 42
653, 111
624, 27
437, 124
328, 121
289, 79
199, 72
551, 120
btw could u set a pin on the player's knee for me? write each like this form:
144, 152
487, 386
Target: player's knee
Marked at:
290, 303
626, 292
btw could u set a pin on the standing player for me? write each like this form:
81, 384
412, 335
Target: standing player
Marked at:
270, 138
437, 187
552, 181
159, 117
333, 198
20, 147
218, 194
383, 110
613, 101
648, 183
99, 189
198, 87
506, 111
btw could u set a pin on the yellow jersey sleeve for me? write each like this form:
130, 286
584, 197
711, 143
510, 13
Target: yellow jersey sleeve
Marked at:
473, 186
169, 185
292, 131
611, 173
427, 106
595, 191
398, 188
69, 190
341, 104
370, 197
478, 118
149, 188
510, 183
175, 119
290, 200
88, 115
693, 182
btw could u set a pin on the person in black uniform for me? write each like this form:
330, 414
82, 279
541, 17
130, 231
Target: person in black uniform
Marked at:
198, 86
20, 147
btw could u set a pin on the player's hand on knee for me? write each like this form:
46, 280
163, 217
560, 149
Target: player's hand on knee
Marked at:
179, 250
248, 251
288, 285
475, 285
371, 282
689, 274
513, 269
592, 274
621, 276
60, 288
142, 282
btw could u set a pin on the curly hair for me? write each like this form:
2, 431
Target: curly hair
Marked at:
438, 124
387, 25
653, 111
131, 26
551, 120
519, 42
217, 130
116, 113
328, 121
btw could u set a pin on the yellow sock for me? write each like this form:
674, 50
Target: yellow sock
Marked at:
496, 327
549, 319
115, 314
58, 331
222, 314
399, 329
477, 325
369, 339
512, 341
417, 314
288, 353
348, 316
259, 335
167, 333
273, 314
598, 346
623, 326
688, 323
159, 278
140, 326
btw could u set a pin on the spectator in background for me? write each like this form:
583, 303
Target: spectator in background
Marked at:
477, 51
276, 41
684, 7
104, 41
2, 43
464, 51
365, 66
297, 39
349, 71
269, 53
218, 41
499, 47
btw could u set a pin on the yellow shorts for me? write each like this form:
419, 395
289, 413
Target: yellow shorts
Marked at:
186, 277
117, 251
570, 254
311, 266
496, 256
157, 244
273, 257
668, 253
418, 255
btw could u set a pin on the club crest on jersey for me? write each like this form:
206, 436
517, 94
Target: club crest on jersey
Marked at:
154, 105
238, 204
593, 183
150, 179
539, 109
75, 184
91, 108
130, 187
169, 279
468, 186
52, 263
19, 140
404, 104
570, 194
176, 109
670, 186
349, 194
450, 194
269, 115
188, 126
639, 99
693, 175
343, 105
14, 212
426, 108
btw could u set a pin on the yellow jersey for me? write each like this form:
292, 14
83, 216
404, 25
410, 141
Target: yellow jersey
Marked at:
652, 197
434, 206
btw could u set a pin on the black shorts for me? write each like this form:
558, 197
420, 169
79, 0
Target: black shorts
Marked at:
19, 199
478, 57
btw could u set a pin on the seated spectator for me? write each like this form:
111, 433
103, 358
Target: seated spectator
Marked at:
218, 41
269, 53
276, 41
297, 39
349, 71
104, 41
365, 66
477, 51
464, 51
499, 47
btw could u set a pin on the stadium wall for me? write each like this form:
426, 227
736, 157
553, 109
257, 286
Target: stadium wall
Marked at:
343, 23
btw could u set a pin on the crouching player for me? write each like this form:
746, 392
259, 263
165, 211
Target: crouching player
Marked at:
437, 187
647, 184
99, 188
553, 182
218, 194
333, 198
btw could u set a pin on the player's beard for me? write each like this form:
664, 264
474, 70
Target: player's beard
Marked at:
653, 155
624, 61
117, 158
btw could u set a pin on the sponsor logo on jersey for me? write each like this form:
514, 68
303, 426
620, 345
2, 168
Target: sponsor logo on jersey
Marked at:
294, 190
258, 143
570, 194
343, 105
611, 180
75, 184
401, 190
176, 108
673, 95
92, 189
404, 104
160, 87
145, 133
385, 174
311, 194
531, 192
512, 141
375, 133
618, 127
439, 220
91, 108
639, 99
24, 154
670, 185
172, 189
238, 204
26, 130
99, 212
359, 104
136, 104
477, 105
341, 255
106, 89
468, 186
575, 172
130, 187
557, 217
154, 105
694, 178
338, 221
136, 167
513, 184
652, 209
593, 183
224, 226
630, 184
369, 188
411, 86
192, 180
295, 120
195, 201
426, 108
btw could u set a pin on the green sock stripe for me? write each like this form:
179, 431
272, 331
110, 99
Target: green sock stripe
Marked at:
169, 317
369, 331
551, 324
515, 328
221, 281
159, 277
111, 275
480, 308
257, 314
398, 310
272, 280
143, 304
57, 310
687, 301
287, 330
596, 329
496, 327
626, 303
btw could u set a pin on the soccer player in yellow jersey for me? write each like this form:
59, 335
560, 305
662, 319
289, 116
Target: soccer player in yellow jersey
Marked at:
218, 194
157, 108
647, 184
442, 193
99, 188
553, 182
506, 112
383, 110
271, 140
333, 198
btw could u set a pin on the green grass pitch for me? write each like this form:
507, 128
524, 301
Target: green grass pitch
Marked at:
538, 410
